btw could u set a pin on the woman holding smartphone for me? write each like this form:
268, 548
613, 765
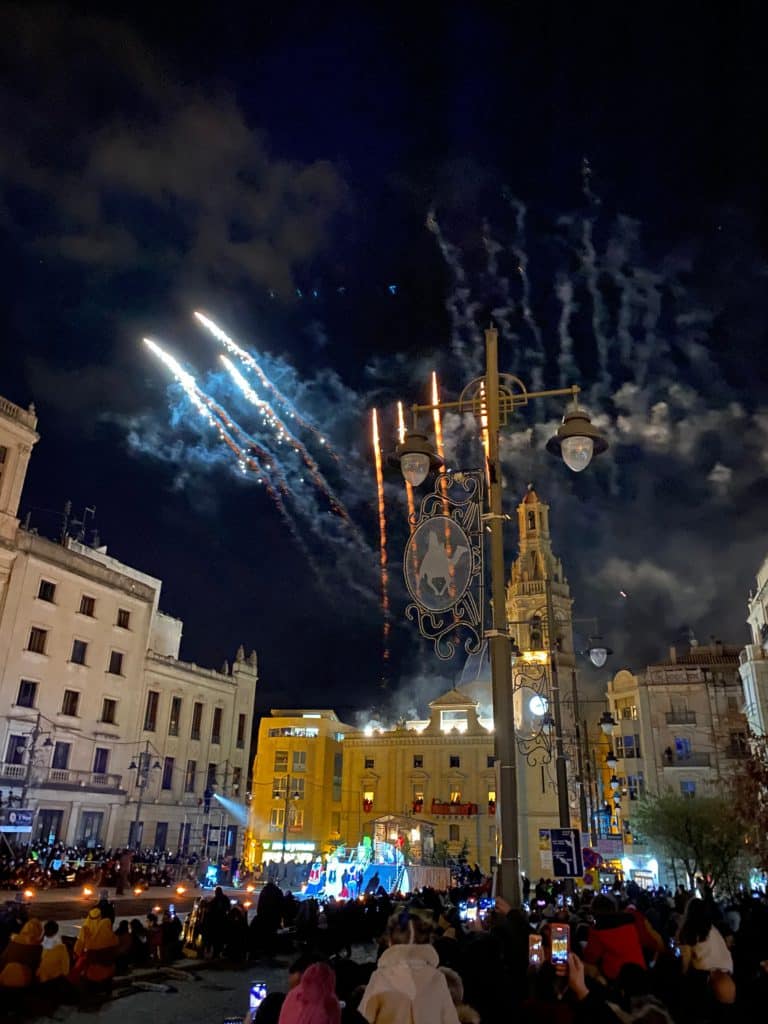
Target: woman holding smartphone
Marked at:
703, 948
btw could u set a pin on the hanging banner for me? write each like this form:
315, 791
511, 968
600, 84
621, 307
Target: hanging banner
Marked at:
443, 564
16, 819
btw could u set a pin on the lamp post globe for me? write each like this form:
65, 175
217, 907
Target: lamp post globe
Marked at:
598, 652
416, 458
608, 723
577, 441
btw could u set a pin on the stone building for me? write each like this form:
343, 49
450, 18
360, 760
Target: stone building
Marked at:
104, 733
753, 660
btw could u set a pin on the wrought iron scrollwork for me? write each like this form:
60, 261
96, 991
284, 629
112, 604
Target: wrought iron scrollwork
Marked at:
447, 591
535, 744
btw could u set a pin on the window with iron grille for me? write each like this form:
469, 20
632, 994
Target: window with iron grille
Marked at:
189, 777
37, 640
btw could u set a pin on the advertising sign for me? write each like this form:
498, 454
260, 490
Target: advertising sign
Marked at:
16, 819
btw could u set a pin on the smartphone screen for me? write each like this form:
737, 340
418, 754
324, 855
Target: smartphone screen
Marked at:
471, 914
559, 935
258, 995
535, 950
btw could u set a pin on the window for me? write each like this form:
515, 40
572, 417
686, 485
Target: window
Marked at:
368, 800
123, 618
37, 640
452, 719
150, 715
683, 747
418, 795
46, 591
109, 711
296, 819
70, 702
189, 777
237, 780
490, 761
173, 721
115, 663
276, 819
79, 651
455, 796
297, 788
492, 835
167, 782
210, 779
100, 761
294, 730
216, 726
336, 823
733, 704
240, 742
688, 788
161, 835
299, 760
418, 760
87, 606
60, 759
636, 786
369, 763
27, 694
16, 747
491, 796
90, 827
338, 764
281, 761
454, 761
454, 835
197, 721
631, 746
531, 520
737, 744
279, 786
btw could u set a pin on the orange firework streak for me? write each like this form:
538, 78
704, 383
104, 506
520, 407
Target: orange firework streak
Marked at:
384, 571
408, 487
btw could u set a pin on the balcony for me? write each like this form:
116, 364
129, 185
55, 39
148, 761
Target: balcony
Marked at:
453, 810
752, 652
672, 760
61, 778
681, 717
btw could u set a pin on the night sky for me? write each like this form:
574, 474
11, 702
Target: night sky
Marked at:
352, 194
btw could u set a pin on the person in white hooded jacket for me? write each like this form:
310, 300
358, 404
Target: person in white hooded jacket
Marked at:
407, 987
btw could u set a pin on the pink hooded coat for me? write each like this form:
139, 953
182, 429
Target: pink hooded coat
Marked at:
313, 1001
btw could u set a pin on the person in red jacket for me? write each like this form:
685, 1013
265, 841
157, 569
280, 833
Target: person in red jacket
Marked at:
612, 941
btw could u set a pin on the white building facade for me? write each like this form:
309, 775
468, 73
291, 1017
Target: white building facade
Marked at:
104, 733
753, 660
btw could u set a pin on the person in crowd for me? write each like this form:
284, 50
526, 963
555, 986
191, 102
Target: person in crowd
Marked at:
21, 957
140, 943
407, 985
466, 1013
99, 959
87, 929
703, 948
313, 1000
170, 944
54, 959
613, 940
124, 948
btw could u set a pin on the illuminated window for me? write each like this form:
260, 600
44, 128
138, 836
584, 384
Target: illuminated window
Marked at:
491, 796
296, 819
281, 761
418, 795
299, 760
455, 796
276, 819
368, 796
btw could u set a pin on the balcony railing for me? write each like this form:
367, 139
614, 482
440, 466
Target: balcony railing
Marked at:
686, 760
681, 718
69, 777
439, 807
752, 652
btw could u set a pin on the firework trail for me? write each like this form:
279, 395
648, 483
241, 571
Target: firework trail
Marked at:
248, 360
458, 305
505, 305
535, 357
247, 453
383, 569
565, 359
592, 276
284, 434
408, 486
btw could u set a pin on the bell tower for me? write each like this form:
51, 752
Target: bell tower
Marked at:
17, 437
535, 566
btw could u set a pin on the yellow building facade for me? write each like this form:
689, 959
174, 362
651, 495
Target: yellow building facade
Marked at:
296, 794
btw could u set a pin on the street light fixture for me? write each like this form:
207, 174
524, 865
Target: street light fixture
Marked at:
611, 762
608, 723
494, 398
614, 782
277, 794
598, 652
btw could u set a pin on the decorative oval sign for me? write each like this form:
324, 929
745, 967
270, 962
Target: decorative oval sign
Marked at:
438, 563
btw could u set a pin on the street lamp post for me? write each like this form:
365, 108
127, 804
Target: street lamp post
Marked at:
288, 797
141, 765
493, 399
35, 735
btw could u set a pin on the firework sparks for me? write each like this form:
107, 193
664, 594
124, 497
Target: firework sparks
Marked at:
248, 360
384, 571
408, 486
